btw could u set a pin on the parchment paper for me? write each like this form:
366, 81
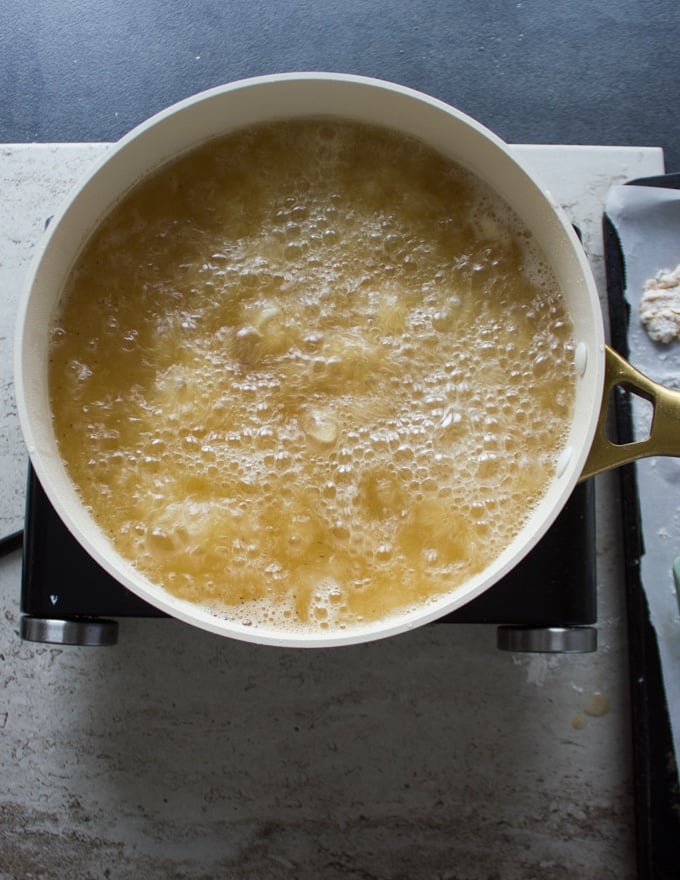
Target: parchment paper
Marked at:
647, 219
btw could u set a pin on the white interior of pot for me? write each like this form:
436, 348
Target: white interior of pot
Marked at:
218, 111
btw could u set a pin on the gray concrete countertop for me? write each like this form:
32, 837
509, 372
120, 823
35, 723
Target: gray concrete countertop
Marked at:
434, 756
430, 755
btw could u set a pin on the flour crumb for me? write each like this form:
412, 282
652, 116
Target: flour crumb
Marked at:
660, 306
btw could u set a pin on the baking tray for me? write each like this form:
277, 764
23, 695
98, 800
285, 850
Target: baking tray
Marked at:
657, 799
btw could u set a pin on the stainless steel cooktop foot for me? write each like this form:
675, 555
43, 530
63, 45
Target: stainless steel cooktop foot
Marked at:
547, 639
85, 631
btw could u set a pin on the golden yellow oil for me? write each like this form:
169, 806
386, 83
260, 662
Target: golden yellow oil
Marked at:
311, 374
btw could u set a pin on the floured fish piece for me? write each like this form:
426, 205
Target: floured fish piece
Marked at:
660, 306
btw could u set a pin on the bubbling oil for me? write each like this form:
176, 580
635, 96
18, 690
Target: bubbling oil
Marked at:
311, 375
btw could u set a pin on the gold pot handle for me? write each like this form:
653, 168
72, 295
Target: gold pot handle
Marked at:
664, 433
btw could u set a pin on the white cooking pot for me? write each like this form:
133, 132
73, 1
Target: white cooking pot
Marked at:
224, 109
